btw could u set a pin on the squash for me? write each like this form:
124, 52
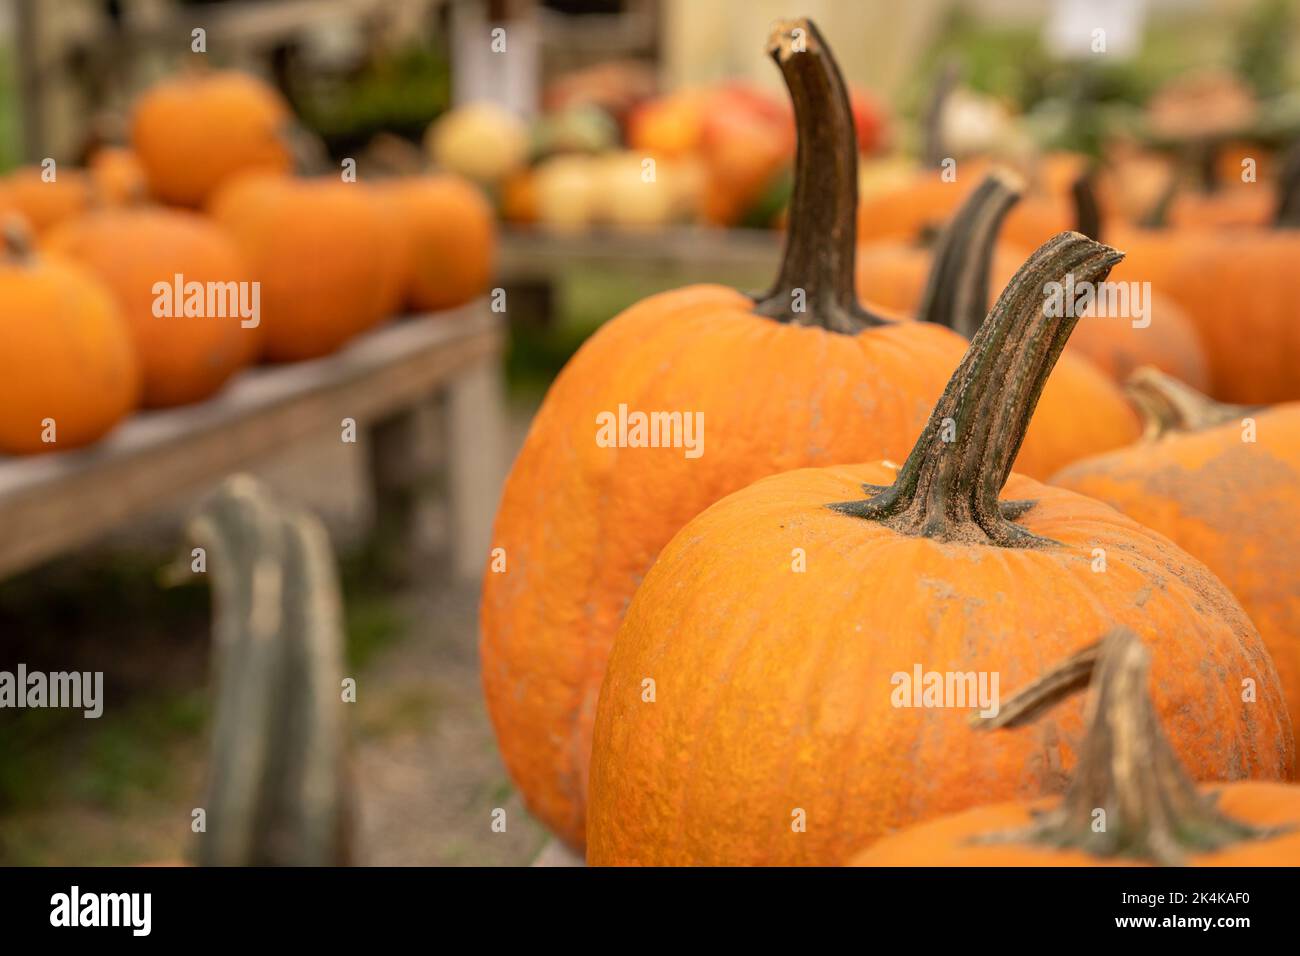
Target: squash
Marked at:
197, 130
117, 177
1127, 769
44, 204
318, 248
481, 141
65, 353
183, 358
1231, 502
801, 375
446, 234
778, 632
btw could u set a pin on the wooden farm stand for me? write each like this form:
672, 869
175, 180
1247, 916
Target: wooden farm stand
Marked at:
446, 366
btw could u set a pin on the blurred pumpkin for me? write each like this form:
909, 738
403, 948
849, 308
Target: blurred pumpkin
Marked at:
117, 177
777, 698
480, 141
45, 203
137, 254
318, 248
447, 235
196, 130
65, 353
1223, 483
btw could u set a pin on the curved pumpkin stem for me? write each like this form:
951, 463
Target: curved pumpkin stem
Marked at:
1150, 809
1287, 215
816, 283
948, 487
957, 289
1168, 405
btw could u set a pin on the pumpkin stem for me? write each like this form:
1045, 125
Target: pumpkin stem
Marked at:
948, 487
957, 289
1087, 209
1157, 217
933, 148
1149, 808
1288, 186
15, 239
1168, 405
816, 283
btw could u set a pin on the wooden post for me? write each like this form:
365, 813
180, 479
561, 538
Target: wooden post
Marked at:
476, 464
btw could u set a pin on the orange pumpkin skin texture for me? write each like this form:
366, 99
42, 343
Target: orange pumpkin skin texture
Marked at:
318, 247
953, 840
449, 236
1226, 502
194, 132
65, 354
44, 204
183, 359
582, 524
773, 687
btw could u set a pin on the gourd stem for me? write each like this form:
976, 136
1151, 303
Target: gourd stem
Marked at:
1287, 215
1157, 217
1168, 405
948, 487
957, 291
815, 285
1150, 809
934, 150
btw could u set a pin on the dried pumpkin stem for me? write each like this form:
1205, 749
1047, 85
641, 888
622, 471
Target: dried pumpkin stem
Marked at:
948, 487
1087, 208
957, 290
1168, 405
1150, 809
816, 283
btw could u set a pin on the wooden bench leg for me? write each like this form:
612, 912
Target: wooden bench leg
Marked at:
404, 453
476, 464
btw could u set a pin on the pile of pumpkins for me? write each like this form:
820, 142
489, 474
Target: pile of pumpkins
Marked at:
207, 192
705, 658
622, 159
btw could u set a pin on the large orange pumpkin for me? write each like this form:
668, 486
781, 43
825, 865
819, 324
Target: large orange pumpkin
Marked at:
1224, 484
799, 376
44, 204
756, 707
195, 131
318, 247
447, 238
1153, 813
138, 254
65, 353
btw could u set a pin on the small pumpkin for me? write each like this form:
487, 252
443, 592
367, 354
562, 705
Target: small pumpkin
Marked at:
1222, 482
447, 235
800, 375
318, 249
137, 254
1155, 814
196, 130
118, 178
43, 202
65, 354
775, 626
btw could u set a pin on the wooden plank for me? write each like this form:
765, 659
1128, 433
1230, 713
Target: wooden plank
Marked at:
527, 254
477, 467
52, 503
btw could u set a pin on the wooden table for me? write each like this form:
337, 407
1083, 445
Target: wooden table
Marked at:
449, 363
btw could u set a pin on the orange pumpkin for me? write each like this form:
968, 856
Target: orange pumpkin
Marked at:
780, 630
318, 247
117, 177
137, 254
65, 353
44, 204
1153, 813
195, 131
447, 236
799, 376
1220, 482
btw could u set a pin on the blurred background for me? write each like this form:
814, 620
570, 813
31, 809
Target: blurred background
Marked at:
552, 126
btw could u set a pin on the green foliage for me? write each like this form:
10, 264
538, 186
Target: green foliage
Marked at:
403, 92
1262, 46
